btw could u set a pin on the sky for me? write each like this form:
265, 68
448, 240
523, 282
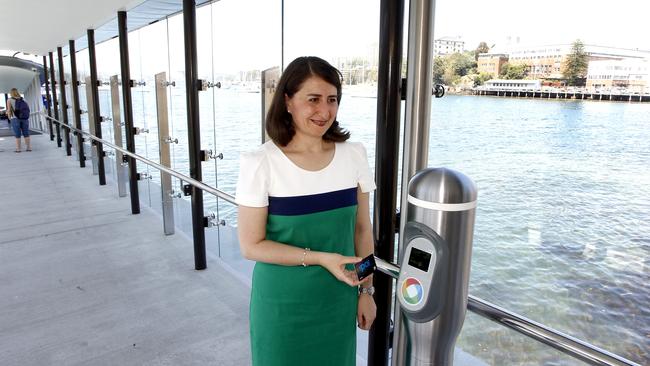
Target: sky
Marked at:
621, 23
351, 27
246, 34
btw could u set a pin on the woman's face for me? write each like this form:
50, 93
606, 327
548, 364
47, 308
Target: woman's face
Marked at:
313, 107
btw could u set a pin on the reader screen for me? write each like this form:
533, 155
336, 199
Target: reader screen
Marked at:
419, 259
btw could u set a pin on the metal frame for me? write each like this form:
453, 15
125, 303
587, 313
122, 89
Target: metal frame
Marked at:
548, 336
128, 110
120, 167
64, 102
193, 182
192, 85
164, 140
564, 343
94, 92
48, 98
76, 113
94, 157
270, 79
416, 121
55, 101
386, 165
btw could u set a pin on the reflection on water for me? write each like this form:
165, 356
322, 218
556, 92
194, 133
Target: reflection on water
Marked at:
563, 223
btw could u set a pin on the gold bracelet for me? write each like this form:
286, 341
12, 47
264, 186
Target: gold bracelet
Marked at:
304, 255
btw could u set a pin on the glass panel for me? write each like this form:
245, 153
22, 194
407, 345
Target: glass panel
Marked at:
108, 64
207, 119
83, 71
67, 69
178, 117
141, 98
484, 342
238, 103
562, 224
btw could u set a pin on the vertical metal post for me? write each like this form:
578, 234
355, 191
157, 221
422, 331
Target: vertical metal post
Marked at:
47, 98
55, 101
164, 140
417, 121
76, 112
94, 89
64, 102
389, 82
194, 130
128, 110
117, 135
91, 125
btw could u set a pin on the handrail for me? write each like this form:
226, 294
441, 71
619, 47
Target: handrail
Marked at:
539, 332
551, 337
223, 195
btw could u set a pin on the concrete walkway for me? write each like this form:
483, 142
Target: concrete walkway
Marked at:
85, 282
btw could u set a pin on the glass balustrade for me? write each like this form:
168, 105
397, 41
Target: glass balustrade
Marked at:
560, 233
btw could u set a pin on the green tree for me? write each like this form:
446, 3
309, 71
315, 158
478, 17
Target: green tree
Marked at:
461, 64
439, 66
481, 78
576, 64
516, 71
482, 48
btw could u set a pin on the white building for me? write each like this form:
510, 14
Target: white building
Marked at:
630, 74
448, 45
548, 61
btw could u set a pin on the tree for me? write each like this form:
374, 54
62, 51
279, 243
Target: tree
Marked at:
481, 78
482, 48
576, 64
516, 71
439, 66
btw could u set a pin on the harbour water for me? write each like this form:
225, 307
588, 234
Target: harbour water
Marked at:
563, 221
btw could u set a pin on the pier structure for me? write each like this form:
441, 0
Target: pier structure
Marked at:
564, 94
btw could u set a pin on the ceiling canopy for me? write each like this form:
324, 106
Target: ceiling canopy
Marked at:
37, 27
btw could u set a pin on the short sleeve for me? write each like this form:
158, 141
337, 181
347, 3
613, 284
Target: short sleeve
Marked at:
252, 185
365, 178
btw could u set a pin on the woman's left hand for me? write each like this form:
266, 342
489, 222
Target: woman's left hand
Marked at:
366, 311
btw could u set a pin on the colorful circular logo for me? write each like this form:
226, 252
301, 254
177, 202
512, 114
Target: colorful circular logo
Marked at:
412, 291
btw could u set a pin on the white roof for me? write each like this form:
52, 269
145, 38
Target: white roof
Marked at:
46, 24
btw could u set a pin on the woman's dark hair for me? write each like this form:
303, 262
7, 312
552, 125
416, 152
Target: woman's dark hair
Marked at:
279, 124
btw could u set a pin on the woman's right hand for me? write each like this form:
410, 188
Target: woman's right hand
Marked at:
336, 263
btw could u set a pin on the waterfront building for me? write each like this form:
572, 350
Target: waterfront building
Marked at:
520, 85
632, 75
448, 45
546, 62
491, 63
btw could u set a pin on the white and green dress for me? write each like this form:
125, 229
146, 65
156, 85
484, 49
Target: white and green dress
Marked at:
304, 315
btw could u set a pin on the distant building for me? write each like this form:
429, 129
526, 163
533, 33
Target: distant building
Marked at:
547, 62
630, 74
499, 84
491, 63
448, 45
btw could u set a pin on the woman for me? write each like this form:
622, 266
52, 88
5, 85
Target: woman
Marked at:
304, 217
19, 125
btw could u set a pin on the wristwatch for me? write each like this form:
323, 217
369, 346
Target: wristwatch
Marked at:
367, 290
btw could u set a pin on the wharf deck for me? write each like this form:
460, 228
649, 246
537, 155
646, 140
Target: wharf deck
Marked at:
85, 282
564, 94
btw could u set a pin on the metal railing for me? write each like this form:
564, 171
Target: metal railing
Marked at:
551, 337
566, 344
223, 195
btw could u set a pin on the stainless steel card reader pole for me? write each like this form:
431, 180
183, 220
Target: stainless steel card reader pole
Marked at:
433, 277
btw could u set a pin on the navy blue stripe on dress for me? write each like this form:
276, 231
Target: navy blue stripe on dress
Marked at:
313, 203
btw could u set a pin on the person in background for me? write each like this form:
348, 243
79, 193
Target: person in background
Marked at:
304, 218
19, 123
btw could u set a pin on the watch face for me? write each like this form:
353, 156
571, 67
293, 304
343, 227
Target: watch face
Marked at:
366, 267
